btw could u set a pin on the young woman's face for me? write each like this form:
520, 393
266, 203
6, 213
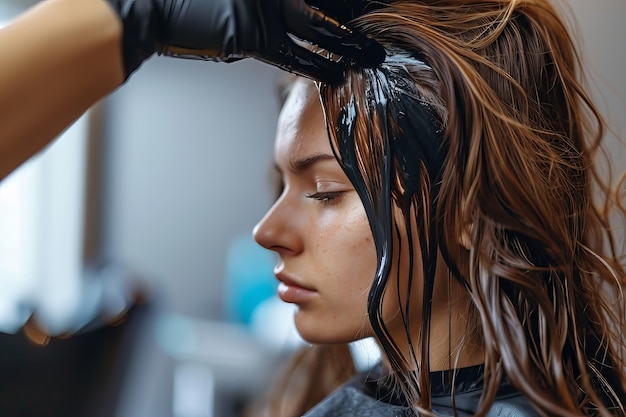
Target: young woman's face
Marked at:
327, 259
318, 227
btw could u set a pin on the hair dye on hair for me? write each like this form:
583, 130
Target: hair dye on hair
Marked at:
402, 126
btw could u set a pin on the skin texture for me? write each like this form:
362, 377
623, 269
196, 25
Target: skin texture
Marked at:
327, 258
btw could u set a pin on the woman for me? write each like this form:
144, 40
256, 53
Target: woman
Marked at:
452, 217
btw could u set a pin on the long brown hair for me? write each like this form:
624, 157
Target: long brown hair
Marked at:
521, 137
509, 194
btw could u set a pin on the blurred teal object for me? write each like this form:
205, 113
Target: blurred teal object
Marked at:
249, 278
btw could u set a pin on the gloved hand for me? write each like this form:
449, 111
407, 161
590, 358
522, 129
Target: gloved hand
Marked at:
227, 30
346, 10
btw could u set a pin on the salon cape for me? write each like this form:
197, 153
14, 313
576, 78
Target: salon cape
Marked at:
362, 396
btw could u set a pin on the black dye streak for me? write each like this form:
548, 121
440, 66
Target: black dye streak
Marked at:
411, 141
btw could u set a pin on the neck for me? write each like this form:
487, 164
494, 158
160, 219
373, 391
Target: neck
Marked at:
454, 340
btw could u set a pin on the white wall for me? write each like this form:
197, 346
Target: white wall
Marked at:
189, 162
603, 37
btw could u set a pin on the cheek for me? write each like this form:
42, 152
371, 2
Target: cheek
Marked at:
348, 249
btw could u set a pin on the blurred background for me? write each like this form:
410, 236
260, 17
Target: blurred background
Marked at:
129, 282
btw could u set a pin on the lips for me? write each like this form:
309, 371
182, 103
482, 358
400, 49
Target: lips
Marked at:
290, 290
289, 280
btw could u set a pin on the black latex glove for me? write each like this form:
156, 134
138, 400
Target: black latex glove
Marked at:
346, 10
227, 30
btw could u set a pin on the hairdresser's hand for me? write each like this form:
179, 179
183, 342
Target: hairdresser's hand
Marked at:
227, 30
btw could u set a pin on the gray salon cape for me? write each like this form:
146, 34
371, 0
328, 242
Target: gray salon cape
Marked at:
363, 397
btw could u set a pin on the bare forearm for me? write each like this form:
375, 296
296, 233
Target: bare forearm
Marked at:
57, 60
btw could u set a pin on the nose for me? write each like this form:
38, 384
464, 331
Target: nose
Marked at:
279, 229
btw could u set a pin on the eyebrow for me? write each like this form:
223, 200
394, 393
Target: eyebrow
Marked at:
306, 162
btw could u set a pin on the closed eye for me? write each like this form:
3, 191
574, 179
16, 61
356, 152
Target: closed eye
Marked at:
326, 198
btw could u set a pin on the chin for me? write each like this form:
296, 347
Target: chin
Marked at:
322, 339
325, 335
316, 330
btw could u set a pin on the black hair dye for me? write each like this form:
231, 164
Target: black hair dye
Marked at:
407, 149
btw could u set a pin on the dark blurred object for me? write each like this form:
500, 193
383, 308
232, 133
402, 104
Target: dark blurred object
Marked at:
346, 10
78, 376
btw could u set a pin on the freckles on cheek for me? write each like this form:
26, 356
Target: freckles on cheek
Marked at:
362, 253
361, 236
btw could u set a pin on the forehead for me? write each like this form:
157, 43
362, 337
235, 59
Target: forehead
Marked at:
301, 124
